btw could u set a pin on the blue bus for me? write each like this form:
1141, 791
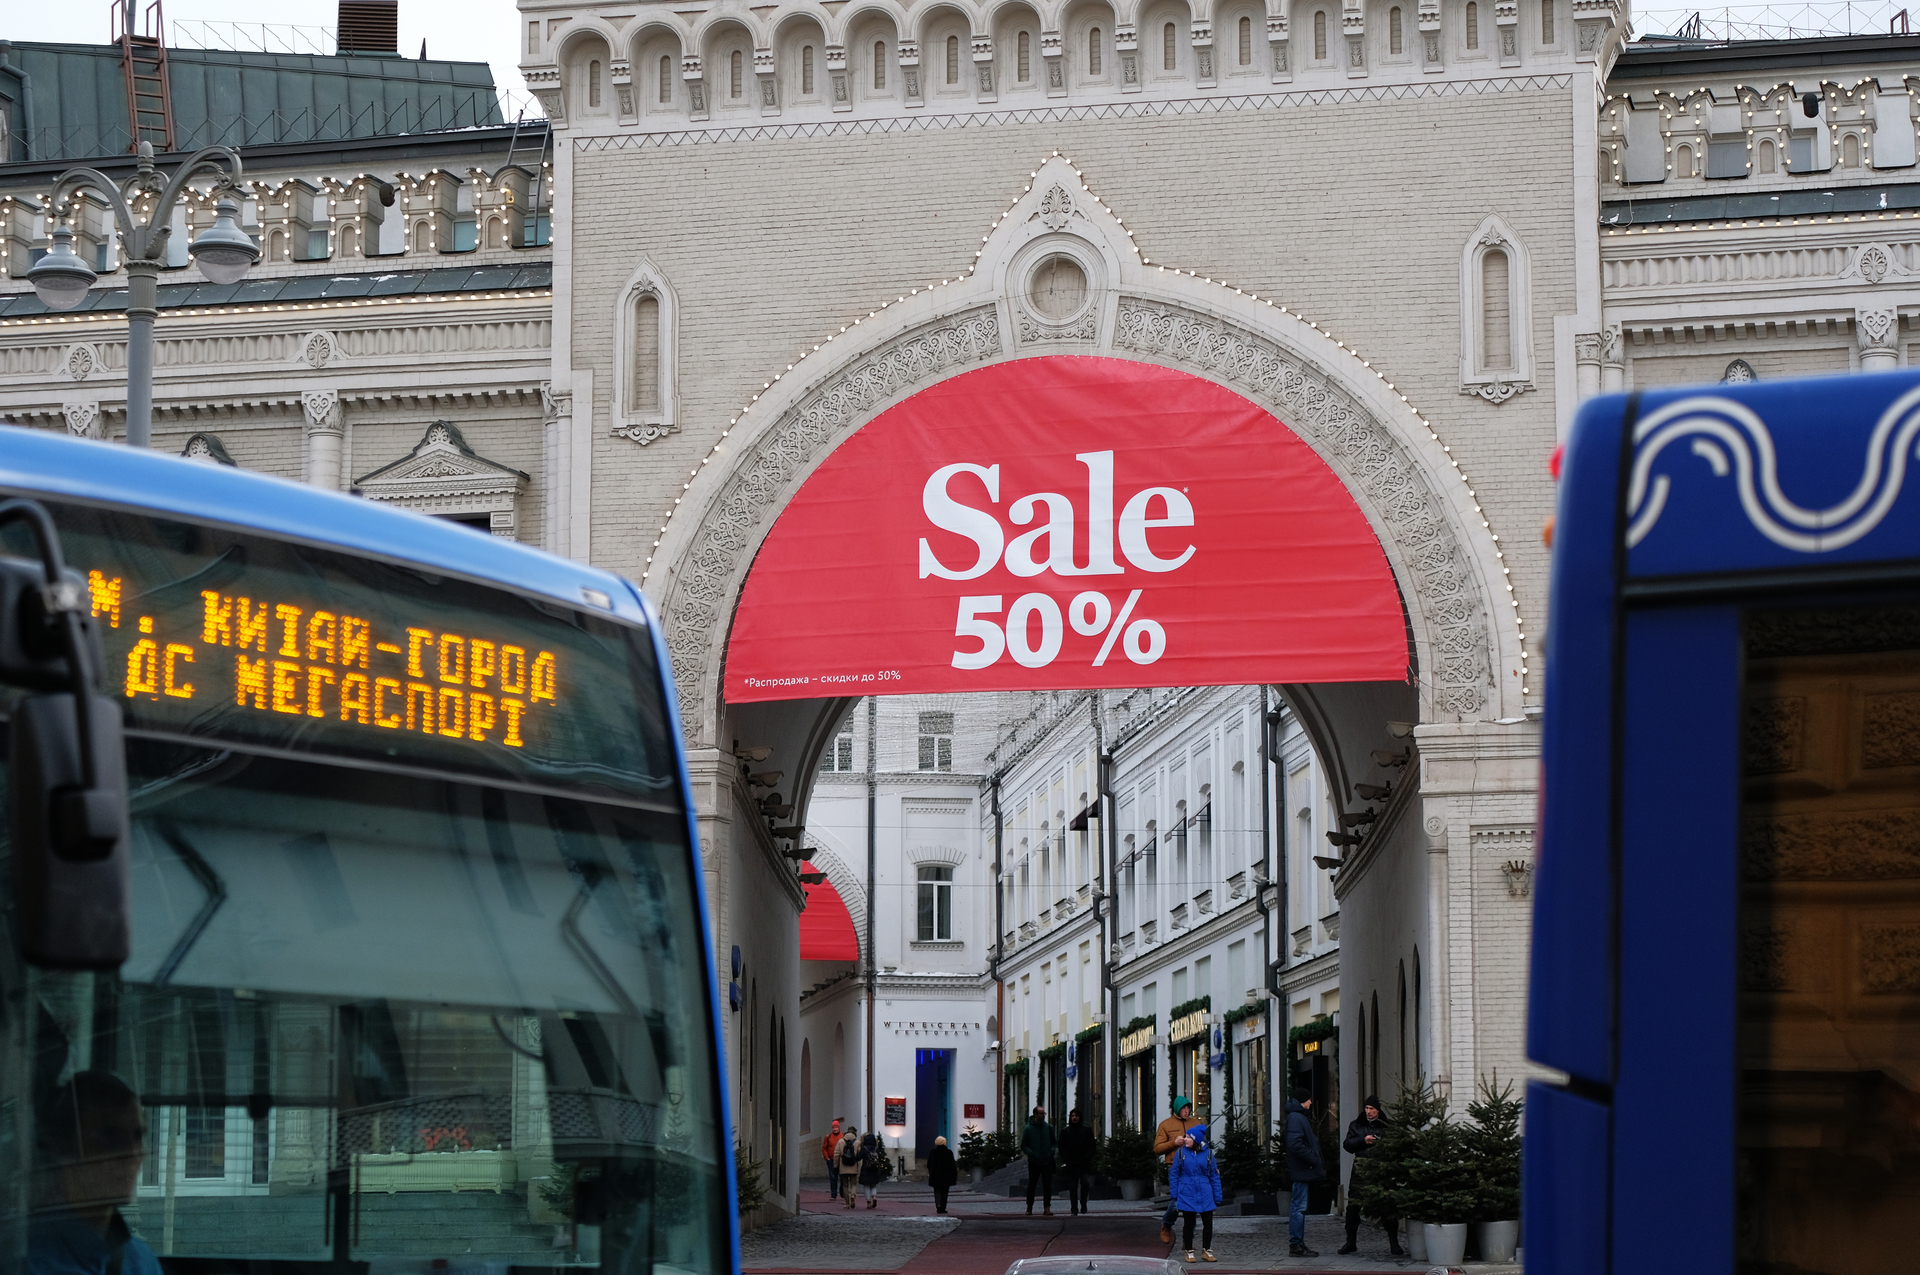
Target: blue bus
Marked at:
1726, 942
374, 936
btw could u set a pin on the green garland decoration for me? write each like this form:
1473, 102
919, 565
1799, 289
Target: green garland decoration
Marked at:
1143, 1020
1187, 1007
1091, 1033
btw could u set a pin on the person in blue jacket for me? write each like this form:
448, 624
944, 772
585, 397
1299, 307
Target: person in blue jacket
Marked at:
1194, 1180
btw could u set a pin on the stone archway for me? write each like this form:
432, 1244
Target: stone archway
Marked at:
1467, 637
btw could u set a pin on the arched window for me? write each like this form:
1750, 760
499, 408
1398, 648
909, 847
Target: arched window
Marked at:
1246, 41
643, 390
277, 246
806, 68
879, 64
593, 84
1403, 1024
1606, 166
1496, 322
1850, 151
1362, 1071
1374, 1046
806, 1086
1023, 58
1320, 35
1546, 21
953, 59
1167, 49
666, 78
1767, 162
735, 73
1093, 52
1393, 30
1496, 342
1683, 160
1473, 25
644, 351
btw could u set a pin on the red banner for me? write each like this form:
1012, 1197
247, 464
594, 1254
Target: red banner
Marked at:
1066, 522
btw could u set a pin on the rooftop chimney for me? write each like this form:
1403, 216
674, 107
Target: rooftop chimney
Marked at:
369, 26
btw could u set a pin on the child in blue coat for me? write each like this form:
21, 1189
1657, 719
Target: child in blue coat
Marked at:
1194, 1180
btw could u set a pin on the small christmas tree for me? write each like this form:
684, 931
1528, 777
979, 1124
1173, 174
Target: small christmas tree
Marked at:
1242, 1160
1379, 1180
973, 1149
1493, 1148
750, 1181
1128, 1155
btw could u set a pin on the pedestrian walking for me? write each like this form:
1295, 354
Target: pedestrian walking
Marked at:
830, 1152
1078, 1150
1040, 1146
1304, 1166
1363, 1138
942, 1172
870, 1177
1166, 1141
1194, 1179
849, 1163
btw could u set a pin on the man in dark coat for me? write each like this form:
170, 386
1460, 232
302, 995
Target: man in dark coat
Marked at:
1363, 1137
1078, 1149
1305, 1168
942, 1172
1040, 1146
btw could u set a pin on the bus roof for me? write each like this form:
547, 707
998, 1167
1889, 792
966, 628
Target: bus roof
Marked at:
1751, 480
39, 461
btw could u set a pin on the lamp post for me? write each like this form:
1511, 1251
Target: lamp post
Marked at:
223, 252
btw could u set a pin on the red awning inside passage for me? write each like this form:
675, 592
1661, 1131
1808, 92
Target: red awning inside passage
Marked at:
826, 930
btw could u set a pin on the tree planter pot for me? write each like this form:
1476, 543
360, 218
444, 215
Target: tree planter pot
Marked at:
975, 1173
1499, 1241
1417, 1241
1446, 1242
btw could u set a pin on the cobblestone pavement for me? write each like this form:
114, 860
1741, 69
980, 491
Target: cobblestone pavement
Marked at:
983, 1235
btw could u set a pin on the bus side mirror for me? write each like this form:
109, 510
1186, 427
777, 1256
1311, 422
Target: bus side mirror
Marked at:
68, 782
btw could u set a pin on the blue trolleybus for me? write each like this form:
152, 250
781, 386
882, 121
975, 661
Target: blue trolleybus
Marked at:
1726, 943
362, 927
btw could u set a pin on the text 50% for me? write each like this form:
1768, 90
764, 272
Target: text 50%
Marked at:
1090, 613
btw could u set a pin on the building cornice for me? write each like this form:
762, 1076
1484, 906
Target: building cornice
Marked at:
1176, 950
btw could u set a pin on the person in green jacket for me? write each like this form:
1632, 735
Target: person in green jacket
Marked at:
1038, 1142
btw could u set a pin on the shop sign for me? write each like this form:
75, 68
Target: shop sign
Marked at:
1066, 522
973, 1111
1194, 1024
1251, 1028
896, 1111
1218, 1058
1135, 1042
1309, 1046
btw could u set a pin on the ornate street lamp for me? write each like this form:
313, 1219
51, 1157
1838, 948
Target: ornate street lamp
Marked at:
223, 252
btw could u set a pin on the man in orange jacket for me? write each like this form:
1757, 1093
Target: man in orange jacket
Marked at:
1166, 1142
828, 1146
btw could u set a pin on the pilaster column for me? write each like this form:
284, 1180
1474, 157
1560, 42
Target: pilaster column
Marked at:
1203, 67
1053, 49
908, 56
763, 74
1277, 42
694, 74
1878, 332
841, 88
556, 445
1506, 17
983, 69
1586, 359
1432, 51
1353, 28
1613, 359
1126, 43
326, 437
622, 75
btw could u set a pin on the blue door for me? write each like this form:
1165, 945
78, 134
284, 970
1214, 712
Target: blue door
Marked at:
933, 1099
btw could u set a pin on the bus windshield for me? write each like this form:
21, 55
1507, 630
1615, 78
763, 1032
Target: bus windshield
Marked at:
408, 998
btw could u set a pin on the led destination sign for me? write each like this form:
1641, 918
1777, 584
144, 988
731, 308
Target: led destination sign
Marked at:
224, 635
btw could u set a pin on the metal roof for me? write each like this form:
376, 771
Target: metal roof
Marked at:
512, 277
1753, 206
42, 462
75, 104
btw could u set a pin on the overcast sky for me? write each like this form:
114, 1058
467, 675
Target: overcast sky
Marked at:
455, 30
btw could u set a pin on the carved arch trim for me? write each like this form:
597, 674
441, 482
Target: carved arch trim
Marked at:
1466, 638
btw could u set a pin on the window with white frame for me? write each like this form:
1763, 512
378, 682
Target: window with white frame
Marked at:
935, 911
936, 741
1496, 359
644, 373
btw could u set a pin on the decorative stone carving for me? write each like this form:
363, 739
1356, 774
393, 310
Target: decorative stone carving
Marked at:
1496, 391
322, 409
318, 348
1519, 875
1586, 347
1033, 330
1877, 328
1738, 372
208, 450
83, 419
699, 601
1368, 457
443, 475
80, 361
1057, 209
1875, 263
